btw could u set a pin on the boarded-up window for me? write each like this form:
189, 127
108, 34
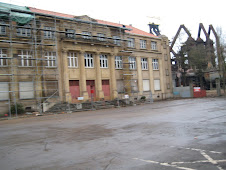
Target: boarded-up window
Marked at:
146, 85
26, 90
134, 87
120, 87
52, 88
157, 85
4, 91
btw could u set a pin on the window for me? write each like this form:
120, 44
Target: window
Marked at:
70, 33
50, 58
116, 40
134, 86
118, 62
120, 86
143, 44
26, 90
25, 58
146, 85
100, 37
24, 31
168, 86
131, 42
155, 64
51, 88
4, 91
103, 61
154, 45
144, 63
3, 57
86, 35
48, 32
72, 60
2, 28
132, 61
88, 60
157, 85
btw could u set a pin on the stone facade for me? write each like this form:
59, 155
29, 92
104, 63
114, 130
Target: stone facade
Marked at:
79, 57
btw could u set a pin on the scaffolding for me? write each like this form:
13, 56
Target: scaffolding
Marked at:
29, 61
30, 68
30, 44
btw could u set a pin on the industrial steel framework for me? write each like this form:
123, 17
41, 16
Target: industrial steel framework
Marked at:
208, 43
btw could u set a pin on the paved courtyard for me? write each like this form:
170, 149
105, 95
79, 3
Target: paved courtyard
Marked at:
180, 134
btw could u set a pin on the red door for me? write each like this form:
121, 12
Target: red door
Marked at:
106, 89
74, 89
90, 86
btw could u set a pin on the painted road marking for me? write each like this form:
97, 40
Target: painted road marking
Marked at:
175, 164
163, 164
194, 149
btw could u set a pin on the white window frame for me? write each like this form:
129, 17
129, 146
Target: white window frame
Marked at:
153, 45
131, 42
4, 91
24, 31
103, 61
49, 32
100, 37
26, 58
2, 28
117, 40
70, 33
86, 35
157, 85
118, 62
155, 64
143, 44
144, 63
50, 58
72, 60
3, 54
146, 85
28, 93
132, 61
88, 59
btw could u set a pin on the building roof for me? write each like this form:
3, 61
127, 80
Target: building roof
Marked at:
132, 30
50, 13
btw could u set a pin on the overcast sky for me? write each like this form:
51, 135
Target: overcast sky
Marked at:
171, 13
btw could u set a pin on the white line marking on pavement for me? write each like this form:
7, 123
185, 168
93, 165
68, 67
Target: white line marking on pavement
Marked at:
194, 149
202, 152
164, 164
208, 158
202, 161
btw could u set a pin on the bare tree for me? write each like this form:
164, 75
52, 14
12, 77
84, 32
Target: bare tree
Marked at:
222, 47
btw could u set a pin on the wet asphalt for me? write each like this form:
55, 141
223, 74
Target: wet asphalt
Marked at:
176, 134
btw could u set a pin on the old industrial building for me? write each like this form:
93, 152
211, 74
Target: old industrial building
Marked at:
49, 57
